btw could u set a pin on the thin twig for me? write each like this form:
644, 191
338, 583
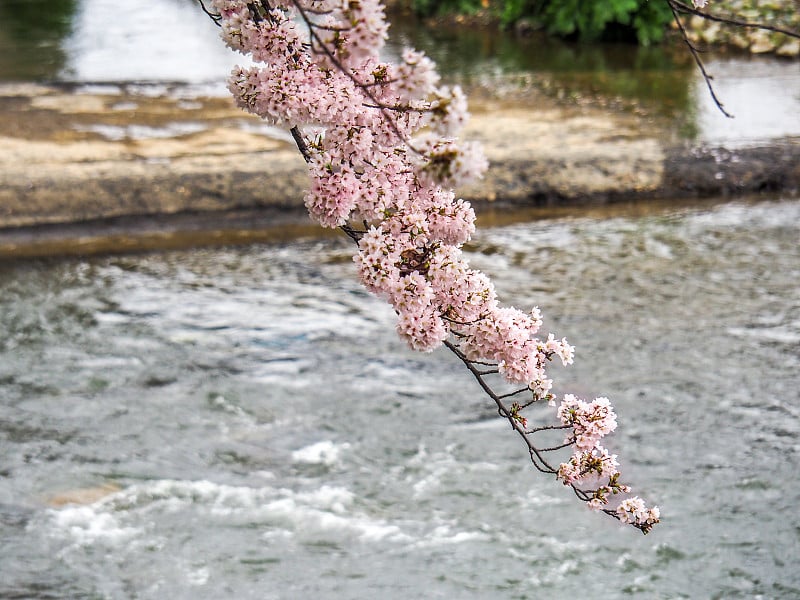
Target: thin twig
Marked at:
548, 428
215, 17
698, 61
536, 457
554, 448
353, 234
514, 393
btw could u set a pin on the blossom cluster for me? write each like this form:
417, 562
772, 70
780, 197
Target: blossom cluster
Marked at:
589, 421
381, 143
633, 510
585, 464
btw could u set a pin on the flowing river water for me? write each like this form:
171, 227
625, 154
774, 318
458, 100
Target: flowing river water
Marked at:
244, 423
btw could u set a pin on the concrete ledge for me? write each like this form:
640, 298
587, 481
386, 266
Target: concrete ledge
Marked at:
71, 156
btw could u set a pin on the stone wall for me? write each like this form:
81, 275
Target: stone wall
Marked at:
779, 13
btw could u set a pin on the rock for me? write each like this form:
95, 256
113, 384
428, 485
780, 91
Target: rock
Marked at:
739, 40
557, 153
760, 42
780, 13
83, 495
697, 23
525, 27
790, 48
711, 33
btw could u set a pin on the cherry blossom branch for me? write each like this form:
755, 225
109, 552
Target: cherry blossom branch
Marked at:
394, 170
537, 454
516, 422
323, 48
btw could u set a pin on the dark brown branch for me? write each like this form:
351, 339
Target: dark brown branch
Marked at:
353, 234
301, 143
554, 448
698, 61
216, 17
455, 322
536, 457
514, 393
548, 428
487, 372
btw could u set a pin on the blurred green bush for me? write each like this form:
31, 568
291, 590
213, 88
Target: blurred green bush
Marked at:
644, 21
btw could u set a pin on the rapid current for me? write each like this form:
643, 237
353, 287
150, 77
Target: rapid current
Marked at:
244, 423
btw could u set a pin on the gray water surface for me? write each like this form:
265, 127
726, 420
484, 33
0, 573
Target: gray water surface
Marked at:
260, 432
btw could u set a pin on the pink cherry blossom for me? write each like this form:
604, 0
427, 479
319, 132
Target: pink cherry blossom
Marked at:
633, 510
380, 140
590, 422
596, 463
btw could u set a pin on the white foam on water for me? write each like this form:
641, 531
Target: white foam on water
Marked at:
553, 576
783, 213
325, 452
336, 499
438, 465
330, 509
198, 577
115, 519
309, 520
658, 248
533, 498
781, 335
491, 424
87, 525
445, 535
111, 318
219, 401
110, 362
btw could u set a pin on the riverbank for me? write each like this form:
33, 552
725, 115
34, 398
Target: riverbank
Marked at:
706, 33
86, 169
777, 13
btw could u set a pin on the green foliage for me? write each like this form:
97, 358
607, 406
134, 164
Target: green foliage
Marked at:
24, 19
513, 10
650, 21
428, 8
587, 19
593, 20
642, 20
